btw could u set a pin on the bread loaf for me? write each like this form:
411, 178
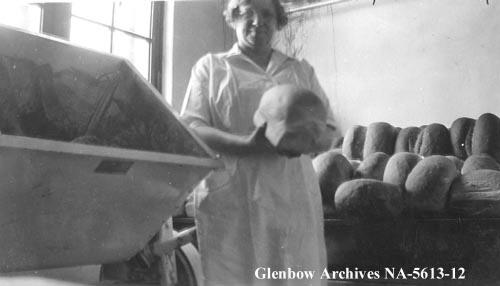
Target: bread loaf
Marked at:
373, 166
294, 118
380, 137
354, 140
476, 194
479, 162
368, 199
399, 167
434, 140
428, 183
407, 137
332, 169
486, 136
461, 135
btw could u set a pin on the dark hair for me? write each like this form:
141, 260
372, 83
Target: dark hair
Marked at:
232, 12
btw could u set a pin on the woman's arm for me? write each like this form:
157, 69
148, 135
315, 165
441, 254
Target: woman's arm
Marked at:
197, 115
240, 145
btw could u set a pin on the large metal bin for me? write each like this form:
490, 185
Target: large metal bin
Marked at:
64, 203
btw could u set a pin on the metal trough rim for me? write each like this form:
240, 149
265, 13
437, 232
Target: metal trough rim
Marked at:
37, 144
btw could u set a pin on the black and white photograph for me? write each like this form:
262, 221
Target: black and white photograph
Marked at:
249, 142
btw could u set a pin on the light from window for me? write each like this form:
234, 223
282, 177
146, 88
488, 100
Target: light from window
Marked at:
90, 35
24, 16
120, 27
133, 16
101, 11
133, 48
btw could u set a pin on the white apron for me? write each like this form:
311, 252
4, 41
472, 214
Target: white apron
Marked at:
260, 213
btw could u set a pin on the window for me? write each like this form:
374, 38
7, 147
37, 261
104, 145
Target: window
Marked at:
123, 28
131, 29
24, 16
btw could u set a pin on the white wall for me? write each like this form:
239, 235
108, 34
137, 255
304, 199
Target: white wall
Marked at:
406, 62
197, 27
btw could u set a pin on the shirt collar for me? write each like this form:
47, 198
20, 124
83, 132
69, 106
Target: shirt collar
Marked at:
234, 51
277, 57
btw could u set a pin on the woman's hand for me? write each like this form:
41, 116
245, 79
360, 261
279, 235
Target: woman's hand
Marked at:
261, 144
258, 142
239, 145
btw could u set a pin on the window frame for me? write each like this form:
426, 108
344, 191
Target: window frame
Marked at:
113, 28
56, 21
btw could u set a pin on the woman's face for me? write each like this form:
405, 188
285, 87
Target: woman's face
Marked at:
256, 25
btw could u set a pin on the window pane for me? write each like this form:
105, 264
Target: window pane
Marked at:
90, 35
134, 49
99, 11
24, 16
133, 16
34, 18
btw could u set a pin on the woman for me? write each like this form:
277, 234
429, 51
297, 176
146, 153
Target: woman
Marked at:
263, 211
